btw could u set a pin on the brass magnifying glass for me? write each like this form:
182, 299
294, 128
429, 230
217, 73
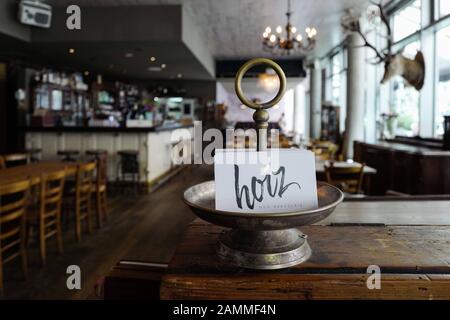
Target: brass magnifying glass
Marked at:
260, 116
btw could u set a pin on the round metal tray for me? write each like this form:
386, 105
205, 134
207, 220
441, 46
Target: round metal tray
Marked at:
262, 240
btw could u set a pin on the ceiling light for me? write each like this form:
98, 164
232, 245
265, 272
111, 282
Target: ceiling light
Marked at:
163, 66
129, 55
154, 69
152, 59
179, 75
289, 40
71, 50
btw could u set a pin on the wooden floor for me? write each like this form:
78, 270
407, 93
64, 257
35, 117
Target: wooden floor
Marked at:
140, 228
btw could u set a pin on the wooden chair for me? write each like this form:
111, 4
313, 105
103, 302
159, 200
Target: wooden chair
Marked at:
83, 188
13, 206
99, 190
348, 179
47, 217
15, 159
325, 150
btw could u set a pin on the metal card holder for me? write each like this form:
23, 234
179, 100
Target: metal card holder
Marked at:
261, 240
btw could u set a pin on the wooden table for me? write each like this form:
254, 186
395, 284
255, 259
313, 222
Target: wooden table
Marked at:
368, 172
407, 239
320, 166
414, 262
34, 171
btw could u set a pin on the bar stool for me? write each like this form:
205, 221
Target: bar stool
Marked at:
97, 154
128, 168
34, 154
68, 155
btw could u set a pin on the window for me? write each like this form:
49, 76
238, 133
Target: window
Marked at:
444, 8
336, 83
407, 20
336, 68
405, 100
443, 80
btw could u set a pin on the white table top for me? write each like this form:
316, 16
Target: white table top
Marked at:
320, 166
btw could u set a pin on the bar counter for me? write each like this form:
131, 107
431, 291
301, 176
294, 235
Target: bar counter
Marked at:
153, 143
105, 129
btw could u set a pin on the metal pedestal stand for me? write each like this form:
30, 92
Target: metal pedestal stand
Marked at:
261, 240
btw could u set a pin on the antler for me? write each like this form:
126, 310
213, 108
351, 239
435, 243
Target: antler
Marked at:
379, 55
385, 20
351, 23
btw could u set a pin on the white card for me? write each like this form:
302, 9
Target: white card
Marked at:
276, 180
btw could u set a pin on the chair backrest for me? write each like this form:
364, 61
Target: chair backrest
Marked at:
348, 179
52, 187
15, 159
13, 205
85, 177
102, 171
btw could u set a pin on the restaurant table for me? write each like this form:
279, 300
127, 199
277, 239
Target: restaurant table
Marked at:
413, 260
408, 240
34, 171
368, 172
320, 166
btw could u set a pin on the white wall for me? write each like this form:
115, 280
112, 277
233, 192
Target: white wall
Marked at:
225, 94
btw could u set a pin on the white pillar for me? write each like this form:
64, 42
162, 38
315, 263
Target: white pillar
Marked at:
354, 122
315, 100
299, 110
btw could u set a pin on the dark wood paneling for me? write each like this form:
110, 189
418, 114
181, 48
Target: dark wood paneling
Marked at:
406, 168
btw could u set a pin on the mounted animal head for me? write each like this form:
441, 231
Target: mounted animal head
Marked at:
412, 70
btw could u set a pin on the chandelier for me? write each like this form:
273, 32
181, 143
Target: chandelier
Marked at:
279, 43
